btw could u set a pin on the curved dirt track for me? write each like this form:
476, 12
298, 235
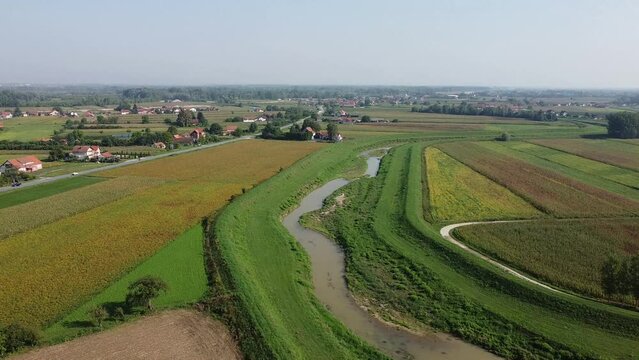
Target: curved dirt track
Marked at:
176, 334
446, 234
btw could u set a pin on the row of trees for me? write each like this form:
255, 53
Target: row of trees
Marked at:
624, 125
500, 111
15, 337
621, 277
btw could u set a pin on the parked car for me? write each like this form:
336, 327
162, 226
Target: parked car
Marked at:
74, 174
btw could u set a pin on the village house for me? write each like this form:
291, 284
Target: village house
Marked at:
310, 131
198, 134
82, 152
252, 120
182, 139
54, 113
89, 114
159, 145
229, 130
6, 115
23, 164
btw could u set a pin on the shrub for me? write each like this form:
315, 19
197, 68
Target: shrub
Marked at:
17, 337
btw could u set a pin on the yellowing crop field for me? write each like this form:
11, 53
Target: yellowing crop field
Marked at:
458, 193
50, 269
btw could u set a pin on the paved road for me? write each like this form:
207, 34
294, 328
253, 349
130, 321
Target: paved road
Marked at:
44, 180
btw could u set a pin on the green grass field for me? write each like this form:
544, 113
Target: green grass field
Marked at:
180, 264
457, 193
616, 153
17, 197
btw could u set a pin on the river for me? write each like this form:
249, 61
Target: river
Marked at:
328, 266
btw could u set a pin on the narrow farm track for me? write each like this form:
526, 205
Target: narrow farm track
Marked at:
446, 233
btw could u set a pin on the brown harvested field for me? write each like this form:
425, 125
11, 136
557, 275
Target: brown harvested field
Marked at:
613, 152
551, 192
177, 334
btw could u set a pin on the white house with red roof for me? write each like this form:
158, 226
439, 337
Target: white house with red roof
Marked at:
82, 152
229, 130
23, 164
6, 115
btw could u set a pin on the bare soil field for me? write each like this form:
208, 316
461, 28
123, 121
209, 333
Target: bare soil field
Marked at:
177, 334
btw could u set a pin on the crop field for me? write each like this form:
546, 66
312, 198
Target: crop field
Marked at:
607, 177
565, 253
53, 268
12, 154
55, 207
180, 264
549, 191
458, 193
608, 151
30, 128
622, 176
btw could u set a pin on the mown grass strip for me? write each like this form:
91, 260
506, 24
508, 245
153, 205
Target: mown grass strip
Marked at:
21, 196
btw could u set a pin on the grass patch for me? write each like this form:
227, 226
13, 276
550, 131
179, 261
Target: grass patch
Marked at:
180, 264
21, 196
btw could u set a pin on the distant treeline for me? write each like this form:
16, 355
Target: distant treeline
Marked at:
624, 125
500, 111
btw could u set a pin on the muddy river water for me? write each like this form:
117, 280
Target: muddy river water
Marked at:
330, 287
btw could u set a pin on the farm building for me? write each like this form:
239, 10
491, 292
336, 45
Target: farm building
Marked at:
82, 152
198, 134
229, 130
182, 139
159, 145
23, 164
252, 120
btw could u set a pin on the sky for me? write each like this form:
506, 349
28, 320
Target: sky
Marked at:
514, 43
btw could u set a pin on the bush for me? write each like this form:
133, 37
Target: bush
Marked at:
504, 137
17, 337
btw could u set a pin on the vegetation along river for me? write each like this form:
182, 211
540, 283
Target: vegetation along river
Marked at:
330, 287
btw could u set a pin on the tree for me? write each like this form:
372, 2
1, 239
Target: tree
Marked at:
312, 124
252, 128
201, 120
144, 290
271, 131
366, 118
134, 109
610, 276
145, 119
56, 154
332, 131
624, 125
172, 130
98, 315
216, 129
184, 117
633, 277
17, 112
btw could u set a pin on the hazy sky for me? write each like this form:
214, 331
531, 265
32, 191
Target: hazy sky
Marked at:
554, 43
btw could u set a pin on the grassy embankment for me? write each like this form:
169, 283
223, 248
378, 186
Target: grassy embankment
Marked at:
399, 263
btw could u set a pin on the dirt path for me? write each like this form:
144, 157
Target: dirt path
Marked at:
446, 234
176, 334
